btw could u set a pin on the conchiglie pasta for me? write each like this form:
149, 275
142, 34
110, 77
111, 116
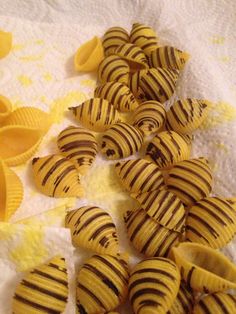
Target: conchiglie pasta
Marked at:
96, 114
5, 108
183, 304
114, 37
134, 84
5, 43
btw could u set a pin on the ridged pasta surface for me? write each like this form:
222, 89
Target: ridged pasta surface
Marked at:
114, 37
183, 304
134, 84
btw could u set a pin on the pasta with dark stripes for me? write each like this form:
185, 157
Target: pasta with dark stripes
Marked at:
114, 37
184, 301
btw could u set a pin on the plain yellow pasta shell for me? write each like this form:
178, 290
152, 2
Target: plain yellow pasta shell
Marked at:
204, 269
43, 290
183, 304
11, 192
5, 108
89, 55
114, 37
56, 176
102, 284
134, 84
153, 286
5, 43
93, 228
18, 143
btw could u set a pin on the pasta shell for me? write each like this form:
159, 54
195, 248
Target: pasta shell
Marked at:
5, 107
134, 55
190, 180
184, 301
149, 117
18, 143
56, 176
114, 37
159, 84
113, 68
219, 302
139, 175
5, 43
168, 57
96, 114
79, 145
148, 236
187, 115
153, 286
92, 228
232, 202
30, 116
204, 269
121, 140
101, 284
43, 290
134, 84
144, 37
211, 221
89, 55
168, 148
164, 207
118, 95
11, 192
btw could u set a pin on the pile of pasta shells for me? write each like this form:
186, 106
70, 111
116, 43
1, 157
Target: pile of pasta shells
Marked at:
178, 226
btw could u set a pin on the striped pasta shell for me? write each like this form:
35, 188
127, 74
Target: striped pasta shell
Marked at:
11, 191
219, 302
134, 55
79, 145
190, 180
149, 117
101, 284
232, 201
93, 228
204, 269
134, 84
114, 37
56, 176
113, 68
148, 236
139, 175
167, 148
187, 115
96, 114
121, 140
159, 84
212, 222
164, 207
43, 290
5, 106
153, 286
118, 95
168, 57
184, 301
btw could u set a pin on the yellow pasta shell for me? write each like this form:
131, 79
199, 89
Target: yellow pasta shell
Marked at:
18, 143
96, 114
153, 286
118, 95
79, 145
164, 207
5, 43
134, 55
121, 140
190, 180
211, 221
30, 116
134, 84
204, 269
232, 201
187, 115
5, 107
114, 37
168, 57
11, 192
139, 175
43, 290
183, 304
167, 148
149, 117
93, 228
159, 84
101, 284
113, 68
144, 37
56, 176
148, 236
216, 303
89, 55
